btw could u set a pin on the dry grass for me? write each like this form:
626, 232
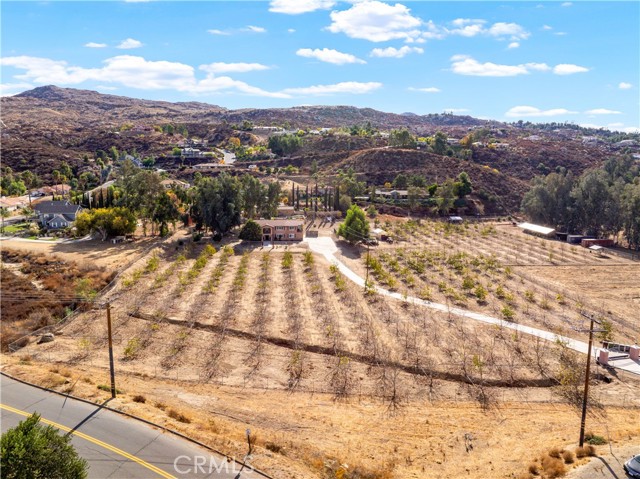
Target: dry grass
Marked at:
553, 467
426, 440
178, 416
568, 457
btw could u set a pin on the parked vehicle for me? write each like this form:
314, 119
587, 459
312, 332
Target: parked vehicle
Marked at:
632, 466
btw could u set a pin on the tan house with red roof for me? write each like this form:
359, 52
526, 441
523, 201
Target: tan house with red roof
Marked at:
282, 230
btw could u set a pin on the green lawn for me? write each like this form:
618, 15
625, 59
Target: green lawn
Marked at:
16, 228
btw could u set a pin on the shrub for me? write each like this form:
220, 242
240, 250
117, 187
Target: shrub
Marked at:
534, 468
508, 313
555, 452
132, 348
33, 450
553, 467
287, 260
270, 446
139, 398
308, 258
468, 283
591, 438
568, 457
178, 416
584, 451
481, 293
251, 231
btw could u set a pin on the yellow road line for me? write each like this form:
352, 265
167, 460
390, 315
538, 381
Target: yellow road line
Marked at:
111, 448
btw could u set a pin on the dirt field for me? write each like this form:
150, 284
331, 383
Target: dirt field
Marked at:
228, 337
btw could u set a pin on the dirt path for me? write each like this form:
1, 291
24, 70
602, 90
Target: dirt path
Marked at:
326, 247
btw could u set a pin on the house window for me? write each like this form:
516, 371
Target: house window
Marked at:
292, 228
291, 236
266, 231
279, 227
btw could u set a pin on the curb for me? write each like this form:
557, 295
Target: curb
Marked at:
163, 428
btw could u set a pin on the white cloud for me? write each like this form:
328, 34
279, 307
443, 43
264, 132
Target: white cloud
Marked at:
376, 21
566, 4
560, 34
296, 7
602, 111
513, 45
136, 1
8, 89
291, 30
391, 52
351, 87
624, 85
465, 65
214, 31
512, 30
468, 27
233, 67
430, 89
568, 69
105, 87
254, 29
329, 56
456, 110
133, 72
129, 43
137, 72
547, 27
95, 45
528, 111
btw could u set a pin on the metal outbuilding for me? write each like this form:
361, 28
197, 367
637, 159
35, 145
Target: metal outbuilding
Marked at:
537, 229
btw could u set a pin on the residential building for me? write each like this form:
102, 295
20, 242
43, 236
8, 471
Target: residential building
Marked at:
282, 230
55, 215
174, 184
14, 203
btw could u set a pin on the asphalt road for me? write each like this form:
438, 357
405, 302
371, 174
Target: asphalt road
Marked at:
606, 465
114, 446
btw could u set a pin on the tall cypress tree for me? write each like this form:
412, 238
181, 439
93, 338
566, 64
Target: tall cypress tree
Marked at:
307, 197
336, 199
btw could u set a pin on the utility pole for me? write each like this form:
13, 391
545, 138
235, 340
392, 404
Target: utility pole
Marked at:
586, 378
366, 278
113, 374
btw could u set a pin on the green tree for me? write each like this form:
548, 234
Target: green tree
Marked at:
464, 185
272, 200
165, 211
446, 196
31, 450
355, 226
251, 231
593, 201
440, 143
219, 203
118, 221
402, 139
283, 145
401, 181
631, 214
253, 195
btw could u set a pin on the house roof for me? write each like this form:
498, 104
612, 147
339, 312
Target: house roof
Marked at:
174, 182
279, 222
536, 228
57, 207
8, 201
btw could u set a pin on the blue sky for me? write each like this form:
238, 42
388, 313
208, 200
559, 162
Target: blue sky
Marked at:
539, 61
